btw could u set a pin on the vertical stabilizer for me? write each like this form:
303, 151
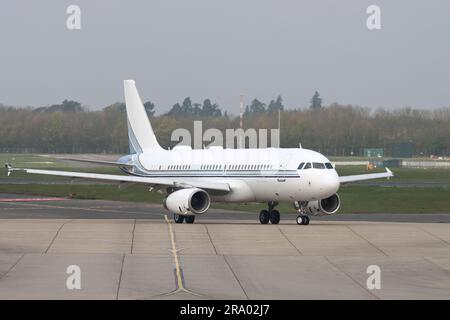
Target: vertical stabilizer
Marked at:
140, 132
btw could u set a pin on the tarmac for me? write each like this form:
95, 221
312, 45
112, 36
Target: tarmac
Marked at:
135, 251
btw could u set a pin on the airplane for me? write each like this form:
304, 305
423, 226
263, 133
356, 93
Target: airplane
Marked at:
193, 178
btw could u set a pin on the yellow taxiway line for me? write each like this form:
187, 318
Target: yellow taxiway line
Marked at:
175, 254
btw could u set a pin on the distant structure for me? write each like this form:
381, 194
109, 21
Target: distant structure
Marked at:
402, 150
241, 120
373, 152
316, 101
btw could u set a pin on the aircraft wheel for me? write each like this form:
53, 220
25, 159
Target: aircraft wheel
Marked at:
274, 217
264, 217
189, 219
178, 218
302, 220
306, 220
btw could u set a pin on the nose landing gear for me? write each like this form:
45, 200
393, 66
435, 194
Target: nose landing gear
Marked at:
302, 218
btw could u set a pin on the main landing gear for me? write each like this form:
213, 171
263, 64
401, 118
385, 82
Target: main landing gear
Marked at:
270, 215
273, 216
179, 218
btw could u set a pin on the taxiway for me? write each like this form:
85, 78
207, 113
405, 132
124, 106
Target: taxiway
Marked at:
134, 251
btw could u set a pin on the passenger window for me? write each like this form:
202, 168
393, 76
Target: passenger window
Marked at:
301, 166
307, 166
318, 165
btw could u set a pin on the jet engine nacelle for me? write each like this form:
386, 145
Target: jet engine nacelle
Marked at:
324, 206
188, 201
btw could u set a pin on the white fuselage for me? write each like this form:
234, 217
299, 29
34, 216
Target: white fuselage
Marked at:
254, 175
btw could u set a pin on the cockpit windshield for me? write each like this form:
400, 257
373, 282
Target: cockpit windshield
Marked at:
315, 165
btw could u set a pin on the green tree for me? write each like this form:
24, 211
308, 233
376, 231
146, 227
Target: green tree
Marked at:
149, 108
186, 107
256, 108
175, 111
52, 132
316, 101
210, 110
197, 109
275, 105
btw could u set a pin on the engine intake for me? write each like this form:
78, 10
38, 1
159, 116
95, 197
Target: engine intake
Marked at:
188, 201
325, 206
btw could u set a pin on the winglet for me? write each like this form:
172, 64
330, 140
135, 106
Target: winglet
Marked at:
391, 174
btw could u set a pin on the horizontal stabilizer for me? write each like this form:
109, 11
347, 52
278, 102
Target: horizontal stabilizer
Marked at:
99, 162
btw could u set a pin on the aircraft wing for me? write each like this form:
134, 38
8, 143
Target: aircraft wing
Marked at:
165, 182
368, 176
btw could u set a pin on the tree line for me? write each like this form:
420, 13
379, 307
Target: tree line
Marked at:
335, 130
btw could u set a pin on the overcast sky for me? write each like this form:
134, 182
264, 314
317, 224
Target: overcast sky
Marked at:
221, 49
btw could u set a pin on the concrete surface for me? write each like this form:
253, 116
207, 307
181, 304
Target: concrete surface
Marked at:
105, 209
223, 258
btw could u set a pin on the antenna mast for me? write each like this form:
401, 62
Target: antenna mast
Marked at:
241, 122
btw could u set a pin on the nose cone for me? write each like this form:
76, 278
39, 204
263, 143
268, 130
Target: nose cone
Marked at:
335, 184
329, 183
